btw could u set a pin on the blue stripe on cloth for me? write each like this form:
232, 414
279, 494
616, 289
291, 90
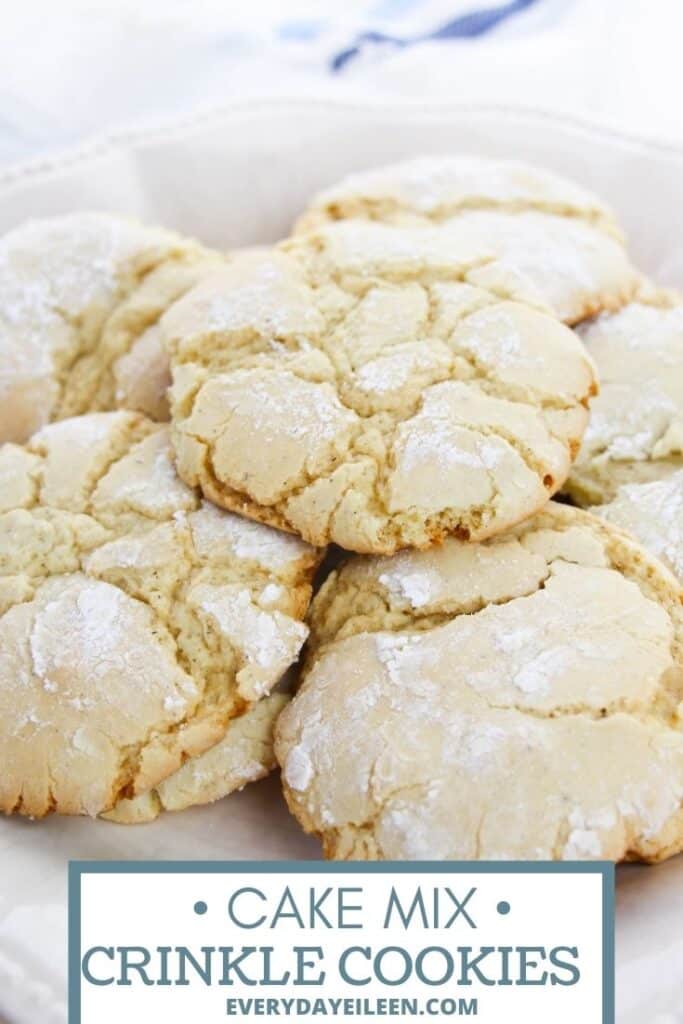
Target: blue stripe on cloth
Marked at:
467, 26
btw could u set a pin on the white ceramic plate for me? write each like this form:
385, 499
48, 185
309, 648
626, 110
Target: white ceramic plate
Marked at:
239, 176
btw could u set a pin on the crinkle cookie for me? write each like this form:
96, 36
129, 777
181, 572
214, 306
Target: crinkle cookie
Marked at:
135, 621
354, 386
80, 296
514, 699
245, 754
635, 433
556, 242
654, 514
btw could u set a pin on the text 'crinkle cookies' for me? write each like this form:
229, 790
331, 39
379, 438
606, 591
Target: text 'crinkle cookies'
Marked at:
354, 386
514, 699
80, 296
135, 621
635, 433
550, 241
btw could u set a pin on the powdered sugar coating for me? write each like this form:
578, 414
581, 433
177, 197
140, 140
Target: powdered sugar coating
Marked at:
635, 431
244, 755
76, 292
654, 514
440, 186
372, 396
521, 703
269, 642
298, 770
126, 648
551, 241
213, 529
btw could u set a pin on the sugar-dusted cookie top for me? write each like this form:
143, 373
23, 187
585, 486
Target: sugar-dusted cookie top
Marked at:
654, 514
354, 386
79, 297
635, 433
245, 754
135, 621
555, 240
514, 699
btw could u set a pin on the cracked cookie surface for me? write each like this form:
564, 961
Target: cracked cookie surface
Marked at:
635, 431
654, 514
80, 296
356, 386
135, 620
245, 754
555, 242
519, 698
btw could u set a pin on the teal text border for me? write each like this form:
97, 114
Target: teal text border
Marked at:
78, 868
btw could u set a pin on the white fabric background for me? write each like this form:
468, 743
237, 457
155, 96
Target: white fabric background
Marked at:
77, 68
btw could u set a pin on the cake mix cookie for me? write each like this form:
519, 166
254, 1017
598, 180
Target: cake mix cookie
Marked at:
654, 514
79, 297
135, 621
554, 241
245, 754
635, 433
353, 386
514, 699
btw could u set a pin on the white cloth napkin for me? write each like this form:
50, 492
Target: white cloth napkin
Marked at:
82, 68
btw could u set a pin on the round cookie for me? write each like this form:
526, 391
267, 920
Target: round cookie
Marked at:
514, 699
654, 514
556, 242
80, 296
245, 754
635, 433
135, 621
353, 386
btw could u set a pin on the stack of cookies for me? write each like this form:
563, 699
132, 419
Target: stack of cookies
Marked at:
438, 349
